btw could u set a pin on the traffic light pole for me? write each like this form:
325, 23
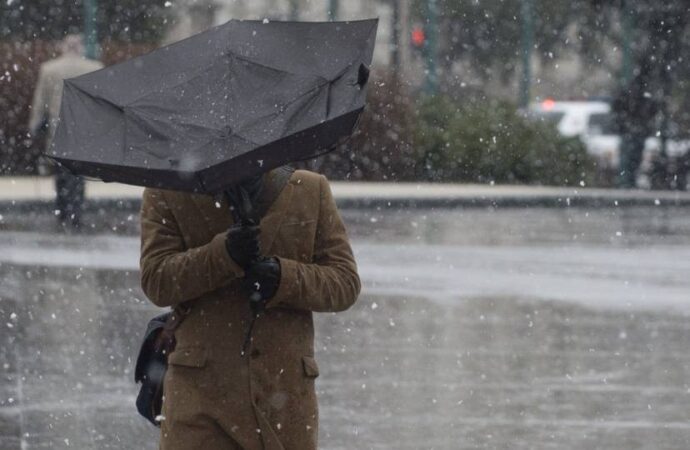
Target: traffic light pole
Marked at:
626, 19
431, 33
395, 37
527, 10
90, 30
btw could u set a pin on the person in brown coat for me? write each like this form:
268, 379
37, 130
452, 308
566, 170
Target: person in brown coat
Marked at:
215, 395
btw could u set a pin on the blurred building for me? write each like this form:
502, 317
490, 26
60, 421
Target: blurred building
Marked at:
197, 15
568, 76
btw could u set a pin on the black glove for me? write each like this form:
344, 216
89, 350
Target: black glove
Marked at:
261, 281
242, 244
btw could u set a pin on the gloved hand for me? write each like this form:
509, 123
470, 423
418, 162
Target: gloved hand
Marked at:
242, 244
261, 281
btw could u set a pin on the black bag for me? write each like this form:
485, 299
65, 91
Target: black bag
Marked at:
152, 363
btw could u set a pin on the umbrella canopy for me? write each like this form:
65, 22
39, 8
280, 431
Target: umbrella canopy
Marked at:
231, 102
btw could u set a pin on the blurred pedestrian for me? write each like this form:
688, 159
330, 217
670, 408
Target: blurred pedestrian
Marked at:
45, 111
634, 109
222, 390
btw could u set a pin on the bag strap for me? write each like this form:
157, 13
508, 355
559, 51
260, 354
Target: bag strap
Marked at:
177, 317
165, 341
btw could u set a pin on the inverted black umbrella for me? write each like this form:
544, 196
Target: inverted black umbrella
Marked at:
232, 102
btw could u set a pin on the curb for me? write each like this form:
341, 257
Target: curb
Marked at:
35, 194
507, 202
132, 205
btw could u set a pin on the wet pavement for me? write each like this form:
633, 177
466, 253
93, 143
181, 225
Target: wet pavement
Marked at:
476, 329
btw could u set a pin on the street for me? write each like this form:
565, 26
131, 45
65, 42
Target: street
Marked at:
477, 328
513, 175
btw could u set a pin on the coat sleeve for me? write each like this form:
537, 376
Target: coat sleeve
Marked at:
330, 283
39, 105
170, 272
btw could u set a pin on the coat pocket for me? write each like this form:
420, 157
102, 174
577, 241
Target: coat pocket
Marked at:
311, 370
188, 357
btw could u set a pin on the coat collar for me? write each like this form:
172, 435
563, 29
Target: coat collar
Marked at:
217, 216
274, 217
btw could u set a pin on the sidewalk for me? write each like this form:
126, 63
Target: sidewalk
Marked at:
36, 191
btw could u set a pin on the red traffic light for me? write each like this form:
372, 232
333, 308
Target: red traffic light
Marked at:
418, 37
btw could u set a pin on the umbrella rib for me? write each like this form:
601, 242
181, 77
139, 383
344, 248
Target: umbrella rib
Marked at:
207, 166
299, 97
326, 80
306, 105
69, 85
273, 114
196, 75
153, 117
94, 96
245, 139
275, 69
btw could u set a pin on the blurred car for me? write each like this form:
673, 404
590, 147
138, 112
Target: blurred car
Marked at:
593, 122
572, 118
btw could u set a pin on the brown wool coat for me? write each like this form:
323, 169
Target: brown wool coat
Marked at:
214, 397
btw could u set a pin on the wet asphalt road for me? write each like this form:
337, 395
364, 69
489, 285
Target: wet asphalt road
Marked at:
516, 329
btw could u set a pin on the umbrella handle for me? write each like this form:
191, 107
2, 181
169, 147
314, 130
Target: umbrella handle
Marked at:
229, 196
240, 205
247, 209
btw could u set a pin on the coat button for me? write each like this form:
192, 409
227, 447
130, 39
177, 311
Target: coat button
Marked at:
255, 353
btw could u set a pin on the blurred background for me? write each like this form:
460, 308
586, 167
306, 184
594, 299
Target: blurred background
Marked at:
514, 297
507, 91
